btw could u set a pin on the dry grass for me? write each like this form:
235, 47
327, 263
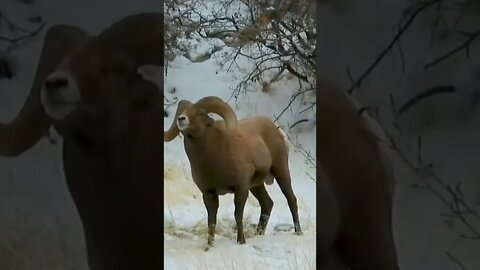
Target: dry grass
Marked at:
29, 250
179, 187
226, 227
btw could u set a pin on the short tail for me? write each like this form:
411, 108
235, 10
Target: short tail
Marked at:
285, 137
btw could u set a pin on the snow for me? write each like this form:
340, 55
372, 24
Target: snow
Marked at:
39, 225
185, 214
353, 35
40, 228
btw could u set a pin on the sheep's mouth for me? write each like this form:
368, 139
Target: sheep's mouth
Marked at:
59, 109
182, 125
61, 103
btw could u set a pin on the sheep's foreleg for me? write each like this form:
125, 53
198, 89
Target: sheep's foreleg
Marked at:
210, 199
266, 204
241, 195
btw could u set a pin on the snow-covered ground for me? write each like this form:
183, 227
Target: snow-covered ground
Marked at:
185, 214
352, 35
39, 226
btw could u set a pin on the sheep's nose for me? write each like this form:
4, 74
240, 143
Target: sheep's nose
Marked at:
55, 83
181, 118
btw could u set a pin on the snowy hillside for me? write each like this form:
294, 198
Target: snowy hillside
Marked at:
199, 71
353, 35
39, 226
185, 214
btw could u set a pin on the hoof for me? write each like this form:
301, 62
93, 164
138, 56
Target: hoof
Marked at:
208, 247
260, 232
298, 229
241, 242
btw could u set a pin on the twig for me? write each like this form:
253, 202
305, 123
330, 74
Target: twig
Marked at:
298, 122
309, 158
392, 104
402, 56
350, 76
455, 260
423, 95
294, 72
464, 45
419, 151
428, 171
292, 99
311, 177
17, 39
167, 103
11, 24
308, 108
402, 30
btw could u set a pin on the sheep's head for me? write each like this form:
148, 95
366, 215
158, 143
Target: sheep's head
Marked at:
191, 119
88, 83
93, 90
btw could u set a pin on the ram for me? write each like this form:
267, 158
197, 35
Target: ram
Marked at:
230, 156
88, 88
355, 187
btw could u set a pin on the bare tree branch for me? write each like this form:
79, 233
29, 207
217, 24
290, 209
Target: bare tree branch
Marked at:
455, 260
292, 99
423, 95
422, 6
27, 36
273, 38
464, 45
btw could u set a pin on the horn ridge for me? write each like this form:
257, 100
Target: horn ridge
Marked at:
216, 105
140, 36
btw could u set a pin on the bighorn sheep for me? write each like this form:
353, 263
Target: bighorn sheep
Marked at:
354, 188
233, 156
88, 89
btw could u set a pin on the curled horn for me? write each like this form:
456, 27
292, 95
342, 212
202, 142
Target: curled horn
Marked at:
173, 130
31, 124
216, 105
139, 36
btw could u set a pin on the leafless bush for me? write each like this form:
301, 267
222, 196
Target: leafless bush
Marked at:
458, 208
18, 36
277, 36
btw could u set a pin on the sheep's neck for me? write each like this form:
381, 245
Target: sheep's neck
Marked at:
205, 155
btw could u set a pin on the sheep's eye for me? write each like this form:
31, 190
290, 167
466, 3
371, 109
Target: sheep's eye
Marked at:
117, 69
112, 69
200, 114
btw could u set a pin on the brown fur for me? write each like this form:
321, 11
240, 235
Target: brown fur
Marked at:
111, 146
234, 157
355, 172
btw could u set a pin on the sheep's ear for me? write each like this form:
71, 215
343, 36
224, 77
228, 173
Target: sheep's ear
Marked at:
142, 92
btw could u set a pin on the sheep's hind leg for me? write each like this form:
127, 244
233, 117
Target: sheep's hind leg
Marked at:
282, 174
266, 204
210, 199
241, 195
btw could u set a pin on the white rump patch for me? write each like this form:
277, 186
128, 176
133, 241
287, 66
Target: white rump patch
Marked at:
285, 137
60, 101
182, 125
